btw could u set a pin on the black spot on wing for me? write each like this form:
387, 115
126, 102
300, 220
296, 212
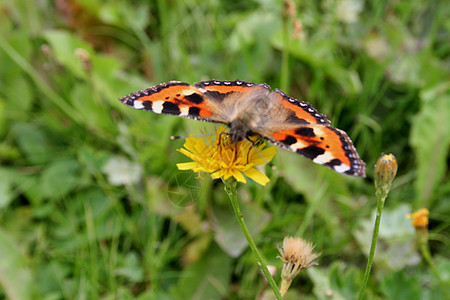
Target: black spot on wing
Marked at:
289, 140
292, 118
194, 98
305, 131
333, 163
148, 105
194, 111
170, 108
216, 95
311, 152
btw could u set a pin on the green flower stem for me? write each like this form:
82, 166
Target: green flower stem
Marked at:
230, 188
385, 171
380, 204
427, 256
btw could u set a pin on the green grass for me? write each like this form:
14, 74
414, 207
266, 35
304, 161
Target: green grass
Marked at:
69, 231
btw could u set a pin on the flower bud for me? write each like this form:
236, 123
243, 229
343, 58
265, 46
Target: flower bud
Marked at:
385, 171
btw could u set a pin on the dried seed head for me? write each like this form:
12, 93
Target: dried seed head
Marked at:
297, 254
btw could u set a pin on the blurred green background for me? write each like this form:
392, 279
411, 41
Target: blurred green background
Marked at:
92, 205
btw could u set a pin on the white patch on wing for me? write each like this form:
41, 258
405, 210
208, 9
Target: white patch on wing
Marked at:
138, 105
319, 130
300, 144
157, 106
327, 157
341, 168
324, 158
202, 90
184, 111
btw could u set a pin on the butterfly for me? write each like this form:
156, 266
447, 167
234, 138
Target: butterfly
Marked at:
253, 109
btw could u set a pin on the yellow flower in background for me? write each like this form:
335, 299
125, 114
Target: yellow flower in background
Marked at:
221, 158
419, 218
420, 223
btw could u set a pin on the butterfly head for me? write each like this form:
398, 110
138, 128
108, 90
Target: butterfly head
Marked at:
239, 130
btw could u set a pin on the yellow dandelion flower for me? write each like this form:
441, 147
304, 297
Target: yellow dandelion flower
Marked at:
221, 158
297, 254
419, 218
420, 223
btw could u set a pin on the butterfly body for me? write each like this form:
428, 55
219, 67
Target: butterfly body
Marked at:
253, 109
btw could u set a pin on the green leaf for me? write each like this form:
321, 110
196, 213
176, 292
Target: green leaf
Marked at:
20, 41
32, 142
15, 278
319, 53
53, 278
345, 280
87, 104
60, 178
91, 159
207, 278
105, 77
18, 91
396, 239
103, 212
229, 235
430, 139
399, 285
253, 26
443, 269
131, 268
5, 189
64, 45
121, 14
338, 282
3, 115
196, 248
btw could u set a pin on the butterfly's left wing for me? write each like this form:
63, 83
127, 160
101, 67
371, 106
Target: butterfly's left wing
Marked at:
174, 98
205, 100
324, 145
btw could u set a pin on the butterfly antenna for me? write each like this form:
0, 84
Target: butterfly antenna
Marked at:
177, 137
201, 135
